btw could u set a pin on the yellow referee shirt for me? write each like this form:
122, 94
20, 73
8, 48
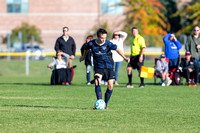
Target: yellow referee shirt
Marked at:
137, 43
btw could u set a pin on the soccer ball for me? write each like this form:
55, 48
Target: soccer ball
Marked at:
100, 104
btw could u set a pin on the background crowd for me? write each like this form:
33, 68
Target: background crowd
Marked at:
170, 61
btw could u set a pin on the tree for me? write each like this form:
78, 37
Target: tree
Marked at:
27, 32
147, 15
172, 8
190, 16
104, 26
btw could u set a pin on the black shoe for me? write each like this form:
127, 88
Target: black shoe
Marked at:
129, 85
74, 66
141, 86
92, 82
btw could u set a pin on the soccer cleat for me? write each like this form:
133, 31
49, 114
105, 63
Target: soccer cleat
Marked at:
88, 83
160, 83
194, 85
129, 85
163, 84
189, 84
94, 108
105, 107
141, 86
169, 82
65, 83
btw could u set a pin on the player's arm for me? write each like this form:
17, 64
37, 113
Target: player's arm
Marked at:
122, 54
84, 55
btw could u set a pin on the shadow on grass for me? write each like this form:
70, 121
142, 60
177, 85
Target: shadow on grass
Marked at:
49, 107
40, 84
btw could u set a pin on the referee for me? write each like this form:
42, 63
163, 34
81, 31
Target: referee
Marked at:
137, 56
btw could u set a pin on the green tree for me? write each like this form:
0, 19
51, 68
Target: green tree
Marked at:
147, 15
104, 26
27, 32
171, 8
190, 16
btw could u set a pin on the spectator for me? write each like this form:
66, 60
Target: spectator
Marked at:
162, 70
59, 74
88, 58
193, 45
66, 44
172, 47
189, 68
118, 39
137, 56
103, 62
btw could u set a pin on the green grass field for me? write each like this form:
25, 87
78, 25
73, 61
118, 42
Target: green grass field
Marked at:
30, 104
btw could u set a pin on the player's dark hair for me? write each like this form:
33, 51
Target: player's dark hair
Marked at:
90, 37
115, 35
134, 28
101, 31
66, 28
58, 52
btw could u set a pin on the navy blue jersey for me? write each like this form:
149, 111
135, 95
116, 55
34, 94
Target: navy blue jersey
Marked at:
102, 55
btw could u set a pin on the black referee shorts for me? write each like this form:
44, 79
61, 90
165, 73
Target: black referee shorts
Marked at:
107, 73
134, 62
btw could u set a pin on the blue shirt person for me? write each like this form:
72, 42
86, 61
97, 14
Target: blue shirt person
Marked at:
103, 62
172, 47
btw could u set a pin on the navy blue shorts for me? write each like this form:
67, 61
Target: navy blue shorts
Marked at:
106, 73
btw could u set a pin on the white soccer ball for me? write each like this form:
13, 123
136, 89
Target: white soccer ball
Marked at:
100, 104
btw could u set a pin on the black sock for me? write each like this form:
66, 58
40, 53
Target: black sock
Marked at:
129, 77
108, 95
98, 92
142, 81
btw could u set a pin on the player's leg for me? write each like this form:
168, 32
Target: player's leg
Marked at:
129, 72
109, 75
98, 78
117, 67
139, 65
88, 70
109, 91
69, 63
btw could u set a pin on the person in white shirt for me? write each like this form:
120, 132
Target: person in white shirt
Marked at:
118, 39
60, 73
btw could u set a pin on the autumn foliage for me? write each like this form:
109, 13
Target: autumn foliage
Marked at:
147, 15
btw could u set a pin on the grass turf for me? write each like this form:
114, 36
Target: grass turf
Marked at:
30, 104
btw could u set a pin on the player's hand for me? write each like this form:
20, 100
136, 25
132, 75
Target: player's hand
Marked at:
174, 37
141, 58
189, 69
72, 57
81, 58
127, 59
49, 66
198, 46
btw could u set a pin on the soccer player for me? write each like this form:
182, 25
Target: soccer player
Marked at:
103, 62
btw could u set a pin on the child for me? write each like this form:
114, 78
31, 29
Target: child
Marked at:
88, 59
162, 70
